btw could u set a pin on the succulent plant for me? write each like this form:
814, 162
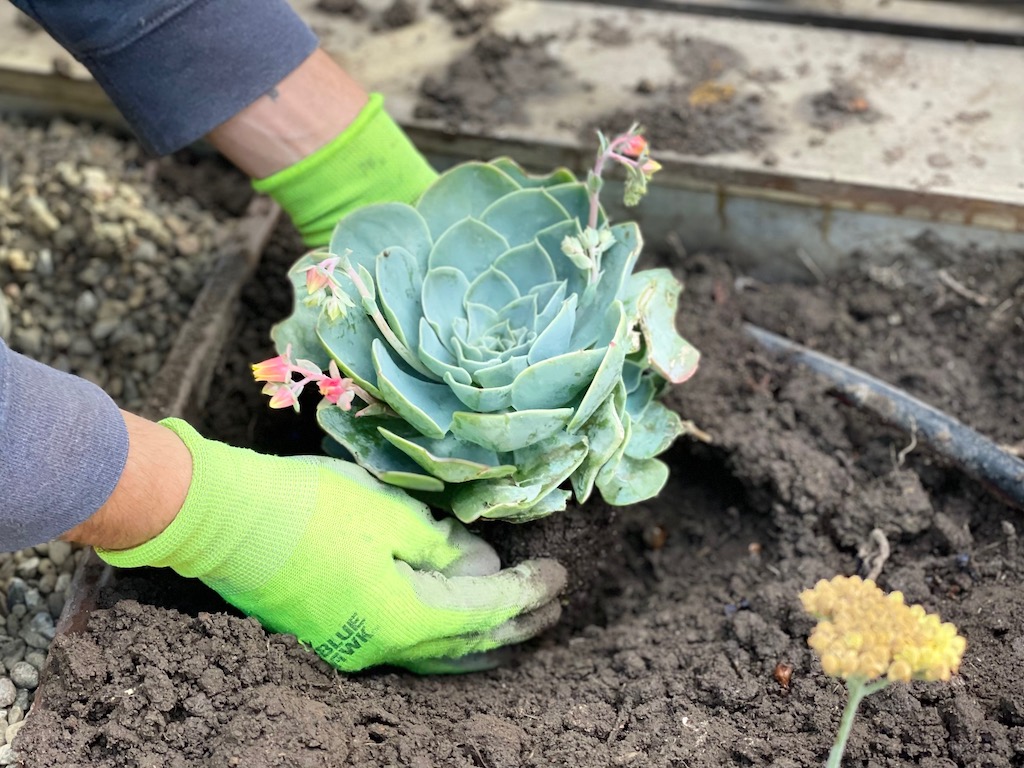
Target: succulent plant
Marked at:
499, 338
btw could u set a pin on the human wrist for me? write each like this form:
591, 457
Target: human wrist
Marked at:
234, 501
303, 113
149, 493
371, 161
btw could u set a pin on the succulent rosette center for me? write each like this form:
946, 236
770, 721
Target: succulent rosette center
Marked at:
500, 341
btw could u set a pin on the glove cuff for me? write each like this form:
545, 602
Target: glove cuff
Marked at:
161, 550
371, 161
228, 518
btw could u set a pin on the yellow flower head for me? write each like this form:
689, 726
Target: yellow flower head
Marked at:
864, 633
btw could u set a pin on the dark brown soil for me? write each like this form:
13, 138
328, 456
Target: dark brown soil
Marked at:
703, 112
695, 604
486, 88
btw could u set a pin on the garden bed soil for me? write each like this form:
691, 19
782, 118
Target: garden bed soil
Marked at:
682, 609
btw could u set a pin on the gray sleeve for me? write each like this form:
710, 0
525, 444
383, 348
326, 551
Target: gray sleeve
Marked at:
178, 68
63, 445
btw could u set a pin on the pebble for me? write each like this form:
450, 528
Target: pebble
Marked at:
12, 731
8, 692
24, 675
7, 755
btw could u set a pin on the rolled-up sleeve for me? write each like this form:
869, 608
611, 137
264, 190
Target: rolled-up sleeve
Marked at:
178, 68
63, 446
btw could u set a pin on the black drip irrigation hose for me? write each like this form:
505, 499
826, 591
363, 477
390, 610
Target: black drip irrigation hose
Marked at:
975, 454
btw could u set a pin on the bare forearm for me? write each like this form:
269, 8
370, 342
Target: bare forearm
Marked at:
302, 113
151, 490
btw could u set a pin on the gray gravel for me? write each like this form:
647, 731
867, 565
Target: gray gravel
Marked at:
98, 269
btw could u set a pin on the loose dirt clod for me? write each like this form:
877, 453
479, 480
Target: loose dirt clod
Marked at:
487, 87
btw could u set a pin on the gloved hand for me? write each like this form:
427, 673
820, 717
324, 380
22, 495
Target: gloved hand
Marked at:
371, 161
357, 569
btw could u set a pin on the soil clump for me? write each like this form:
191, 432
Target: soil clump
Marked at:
487, 87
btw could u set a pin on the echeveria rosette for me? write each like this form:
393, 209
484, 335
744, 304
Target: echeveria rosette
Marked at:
498, 367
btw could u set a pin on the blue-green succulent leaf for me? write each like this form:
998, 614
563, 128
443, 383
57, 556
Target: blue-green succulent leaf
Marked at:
553, 305
527, 266
463, 192
450, 459
575, 199
368, 231
492, 499
638, 400
631, 373
359, 436
554, 501
482, 400
503, 374
525, 180
511, 431
424, 404
550, 461
605, 434
541, 470
492, 288
436, 357
479, 318
469, 246
651, 297
399, 285
632, 481
610, 372
653, 431
412, 481
520, 313
553, 339
556, 381
444, 292
519, 215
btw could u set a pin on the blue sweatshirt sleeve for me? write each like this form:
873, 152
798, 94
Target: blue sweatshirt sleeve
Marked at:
178, 68
63, 445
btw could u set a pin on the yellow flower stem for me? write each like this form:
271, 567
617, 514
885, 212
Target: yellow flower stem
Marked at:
857, 688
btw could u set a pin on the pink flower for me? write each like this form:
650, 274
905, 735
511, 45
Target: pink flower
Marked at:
337, 390
282, 396
319, 275
634, 146
276, 369
315, 280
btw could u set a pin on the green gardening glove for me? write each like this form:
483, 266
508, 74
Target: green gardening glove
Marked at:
360, 571
371, 161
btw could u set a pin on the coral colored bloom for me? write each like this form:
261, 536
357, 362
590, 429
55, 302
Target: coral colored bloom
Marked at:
276, 369
337, 390
635, 146
315, 279
282, 396
321, 274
